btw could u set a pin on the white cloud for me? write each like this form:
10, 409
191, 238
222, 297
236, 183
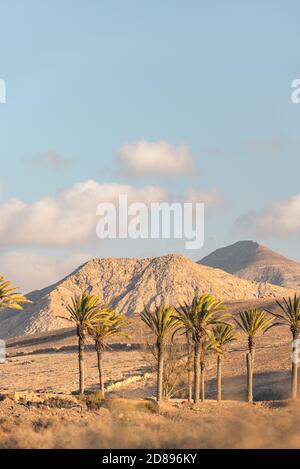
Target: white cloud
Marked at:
145, 158
211, 198
280, 218
67, 219
52, 160
32, 270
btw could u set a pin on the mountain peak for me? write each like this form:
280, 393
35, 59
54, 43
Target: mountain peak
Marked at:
253, 261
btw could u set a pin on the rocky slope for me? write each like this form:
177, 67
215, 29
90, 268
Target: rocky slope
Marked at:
252, 261
128, 284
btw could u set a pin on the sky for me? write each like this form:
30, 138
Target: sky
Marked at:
167, 101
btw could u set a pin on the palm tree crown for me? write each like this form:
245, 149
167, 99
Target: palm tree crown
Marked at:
160, 321
253, 322
224, 334
199, 316
84, 311
290, 315
10, 297
109, 323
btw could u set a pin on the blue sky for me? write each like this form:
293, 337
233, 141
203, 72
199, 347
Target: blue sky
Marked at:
84, 78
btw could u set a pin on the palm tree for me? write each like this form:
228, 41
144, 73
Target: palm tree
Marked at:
161, 322
109, 324
10, 297
252, 323
224, 335
197, 318
208, 345
290, 317
84, 312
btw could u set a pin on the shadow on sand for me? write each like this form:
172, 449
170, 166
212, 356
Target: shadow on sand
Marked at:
267, 386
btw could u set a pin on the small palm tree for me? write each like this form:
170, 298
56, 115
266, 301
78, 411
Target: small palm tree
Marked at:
109, 324
208, 345
290, 317
197, 318
161, 322
10, 297
84, 312
224, 335
252, 323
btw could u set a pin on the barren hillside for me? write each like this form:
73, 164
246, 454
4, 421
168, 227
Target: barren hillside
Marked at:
252, 261
128, 284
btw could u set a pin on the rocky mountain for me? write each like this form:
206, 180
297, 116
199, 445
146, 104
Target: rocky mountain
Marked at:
252, 261
128, 284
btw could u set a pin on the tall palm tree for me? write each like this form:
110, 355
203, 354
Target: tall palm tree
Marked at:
290, 317
208, 345
84, 312
252, 323
224, 335
161, 322
10, 297
197, 318
109, 324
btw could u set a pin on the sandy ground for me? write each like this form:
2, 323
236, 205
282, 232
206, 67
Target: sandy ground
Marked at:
48, 364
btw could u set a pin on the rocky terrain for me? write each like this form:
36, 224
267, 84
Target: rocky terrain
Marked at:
128, 284
40, 407
252, 261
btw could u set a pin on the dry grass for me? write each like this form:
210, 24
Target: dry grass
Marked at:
138, 424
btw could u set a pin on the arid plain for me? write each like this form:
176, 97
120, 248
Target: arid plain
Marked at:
40, 406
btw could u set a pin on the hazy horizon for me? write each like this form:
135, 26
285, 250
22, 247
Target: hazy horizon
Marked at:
162, 101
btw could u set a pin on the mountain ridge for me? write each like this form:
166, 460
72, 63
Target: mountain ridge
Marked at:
127, 284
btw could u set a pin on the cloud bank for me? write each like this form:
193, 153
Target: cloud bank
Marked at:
67, 219
281, 219
145, 158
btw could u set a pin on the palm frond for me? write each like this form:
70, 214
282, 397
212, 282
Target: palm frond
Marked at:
198, 317
10, 297
160, 320
253, 322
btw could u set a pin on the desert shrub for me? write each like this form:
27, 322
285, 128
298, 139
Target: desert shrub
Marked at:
95, 401
115, 404
59, 403
53, 403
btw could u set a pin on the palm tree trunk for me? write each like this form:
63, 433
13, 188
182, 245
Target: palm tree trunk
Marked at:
249, 378
160, 371
196, 373
100, 369
202, 382
219, 378
294, 393
250, 368
81, 363
189, 365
